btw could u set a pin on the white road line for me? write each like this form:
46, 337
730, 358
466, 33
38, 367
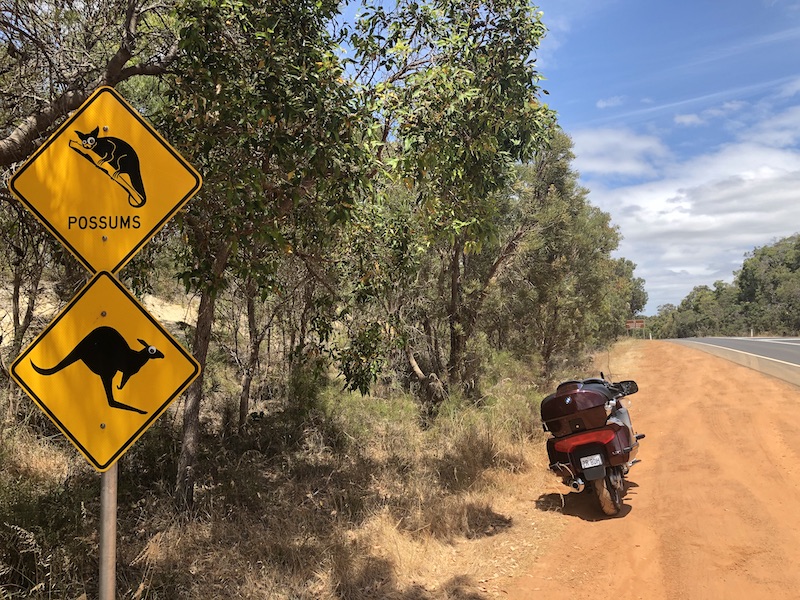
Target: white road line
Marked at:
783, 362
787, 341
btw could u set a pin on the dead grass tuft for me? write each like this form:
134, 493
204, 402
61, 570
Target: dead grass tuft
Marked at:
38, 460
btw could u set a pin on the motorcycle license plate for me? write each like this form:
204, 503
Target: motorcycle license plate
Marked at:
594, 460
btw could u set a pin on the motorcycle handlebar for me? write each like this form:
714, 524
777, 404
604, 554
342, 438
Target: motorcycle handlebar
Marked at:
625, 387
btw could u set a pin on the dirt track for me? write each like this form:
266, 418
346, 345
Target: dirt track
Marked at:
713, 509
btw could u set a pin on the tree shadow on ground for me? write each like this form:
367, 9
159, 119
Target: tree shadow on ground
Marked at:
285, 500
377, 582
482, 521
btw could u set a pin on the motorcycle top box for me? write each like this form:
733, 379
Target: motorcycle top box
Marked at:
576, 406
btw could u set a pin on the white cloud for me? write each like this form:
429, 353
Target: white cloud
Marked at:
694, 221
653, 108
610, 102
725, 109
780, 131
688, 120
791, 89
618, 152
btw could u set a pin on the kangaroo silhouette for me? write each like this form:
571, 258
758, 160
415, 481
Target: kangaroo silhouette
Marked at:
106, 352
115, 157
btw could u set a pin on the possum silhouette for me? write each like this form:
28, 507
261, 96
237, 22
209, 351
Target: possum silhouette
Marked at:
106, 352
115, 157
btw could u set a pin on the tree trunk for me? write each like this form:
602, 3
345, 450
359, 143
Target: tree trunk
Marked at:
433, 345
455, 365
433, 392
28, 277
463, 313
22, 322
549, 340
474, 302
256, 336
184, 485
184, 490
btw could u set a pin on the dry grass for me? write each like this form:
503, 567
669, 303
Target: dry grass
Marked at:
36, 459
618, 363
353, 501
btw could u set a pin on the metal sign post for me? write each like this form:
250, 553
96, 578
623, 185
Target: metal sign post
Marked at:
104, 184
108, 533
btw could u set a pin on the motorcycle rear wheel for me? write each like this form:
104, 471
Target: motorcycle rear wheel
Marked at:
608, 494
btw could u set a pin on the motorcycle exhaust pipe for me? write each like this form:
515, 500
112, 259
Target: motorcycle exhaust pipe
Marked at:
577, 485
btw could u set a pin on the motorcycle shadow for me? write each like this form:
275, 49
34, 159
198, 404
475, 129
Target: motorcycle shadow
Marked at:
583, 505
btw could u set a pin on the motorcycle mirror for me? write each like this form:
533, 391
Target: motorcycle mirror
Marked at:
628, 387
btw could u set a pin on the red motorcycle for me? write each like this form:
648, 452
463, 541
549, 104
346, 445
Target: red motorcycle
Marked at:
593, 441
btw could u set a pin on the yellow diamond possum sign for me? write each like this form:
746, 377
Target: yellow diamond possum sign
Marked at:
105, 182
104, 370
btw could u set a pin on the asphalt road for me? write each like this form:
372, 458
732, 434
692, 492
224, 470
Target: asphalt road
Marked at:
779, 357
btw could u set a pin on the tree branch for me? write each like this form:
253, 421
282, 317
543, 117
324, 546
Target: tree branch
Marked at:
22, 140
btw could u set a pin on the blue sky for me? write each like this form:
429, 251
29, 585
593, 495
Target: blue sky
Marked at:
685, 117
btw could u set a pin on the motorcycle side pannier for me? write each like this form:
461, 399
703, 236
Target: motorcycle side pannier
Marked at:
575, 406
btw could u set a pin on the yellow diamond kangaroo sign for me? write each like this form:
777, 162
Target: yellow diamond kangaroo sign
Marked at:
104, 370
105, 182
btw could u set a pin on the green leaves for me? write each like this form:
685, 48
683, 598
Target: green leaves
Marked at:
362, 360
273, 126
563, 292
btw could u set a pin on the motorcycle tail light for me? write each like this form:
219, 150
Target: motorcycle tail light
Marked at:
599, 436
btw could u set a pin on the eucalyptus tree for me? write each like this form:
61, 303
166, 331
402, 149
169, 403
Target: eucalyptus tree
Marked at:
563, 292
768, 285
664, 323
55, 53
260, 104
568, 276
626, 299
764, 297
456, 89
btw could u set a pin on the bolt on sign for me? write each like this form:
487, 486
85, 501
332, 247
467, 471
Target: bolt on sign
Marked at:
105, 182
104, 370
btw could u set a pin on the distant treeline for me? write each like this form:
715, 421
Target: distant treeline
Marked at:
764, 299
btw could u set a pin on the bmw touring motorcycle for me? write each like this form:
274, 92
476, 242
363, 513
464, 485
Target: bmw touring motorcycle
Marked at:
593, 442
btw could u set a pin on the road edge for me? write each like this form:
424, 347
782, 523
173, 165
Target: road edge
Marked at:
769, 366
